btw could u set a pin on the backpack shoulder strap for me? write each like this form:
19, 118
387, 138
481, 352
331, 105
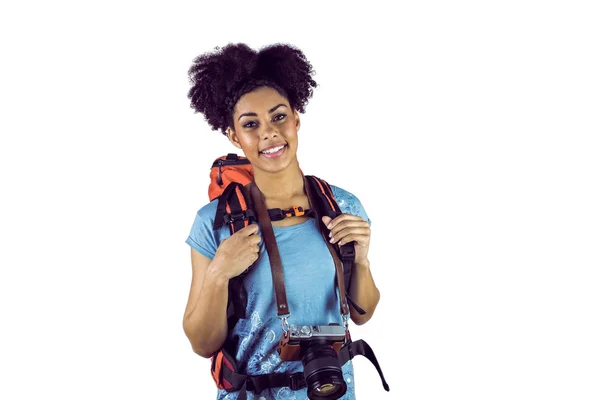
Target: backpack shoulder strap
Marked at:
233, 208
323, 205
326, 204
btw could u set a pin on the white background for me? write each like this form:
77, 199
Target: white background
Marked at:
469, 130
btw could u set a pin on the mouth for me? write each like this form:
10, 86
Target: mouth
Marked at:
274, 152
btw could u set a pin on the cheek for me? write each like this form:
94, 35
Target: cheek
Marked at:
246, 139
250, 146
290, 128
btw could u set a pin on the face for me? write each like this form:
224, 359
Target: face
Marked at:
263, 123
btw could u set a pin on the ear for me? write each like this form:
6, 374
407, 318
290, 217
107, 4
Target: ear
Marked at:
233, 138
297, 118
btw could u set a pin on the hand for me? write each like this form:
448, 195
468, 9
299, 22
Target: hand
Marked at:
238, 252
346, 228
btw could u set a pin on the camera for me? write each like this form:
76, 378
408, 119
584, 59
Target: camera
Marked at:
318, 347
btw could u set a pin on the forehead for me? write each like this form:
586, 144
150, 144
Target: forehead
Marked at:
260, 100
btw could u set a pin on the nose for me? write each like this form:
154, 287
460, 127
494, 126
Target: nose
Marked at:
270, 132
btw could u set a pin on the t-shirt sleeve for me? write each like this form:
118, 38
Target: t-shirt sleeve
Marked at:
202, 237
349, 203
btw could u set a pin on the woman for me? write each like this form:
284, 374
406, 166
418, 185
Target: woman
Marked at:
255, 98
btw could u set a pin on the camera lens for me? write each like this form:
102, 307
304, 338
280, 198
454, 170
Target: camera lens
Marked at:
322, 372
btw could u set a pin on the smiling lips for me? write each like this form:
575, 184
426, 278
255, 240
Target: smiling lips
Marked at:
274, 151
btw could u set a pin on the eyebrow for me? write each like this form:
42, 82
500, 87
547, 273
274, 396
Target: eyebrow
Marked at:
251, 114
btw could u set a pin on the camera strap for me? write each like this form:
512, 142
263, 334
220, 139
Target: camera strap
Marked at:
360, 347
317, 193
264, 222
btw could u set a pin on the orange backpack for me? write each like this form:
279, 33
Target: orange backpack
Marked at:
230, 176
228, 169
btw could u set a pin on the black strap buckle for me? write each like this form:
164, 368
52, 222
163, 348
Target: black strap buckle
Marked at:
347, 252
297, 381
239, 216
276, 214
249, 385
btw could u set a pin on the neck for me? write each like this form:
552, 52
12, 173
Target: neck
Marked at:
280, 185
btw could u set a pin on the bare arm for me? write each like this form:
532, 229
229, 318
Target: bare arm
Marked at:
364, 293
205, 318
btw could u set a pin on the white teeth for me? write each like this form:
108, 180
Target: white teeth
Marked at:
273, 150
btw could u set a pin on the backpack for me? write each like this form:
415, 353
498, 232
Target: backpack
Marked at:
231, 182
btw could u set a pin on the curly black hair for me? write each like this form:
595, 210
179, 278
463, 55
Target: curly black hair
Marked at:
221, 77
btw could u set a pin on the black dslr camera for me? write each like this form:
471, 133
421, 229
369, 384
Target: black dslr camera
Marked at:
318, 347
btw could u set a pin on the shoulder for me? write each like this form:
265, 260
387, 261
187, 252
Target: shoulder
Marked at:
349, 203
202, 236
205, 220
207, 212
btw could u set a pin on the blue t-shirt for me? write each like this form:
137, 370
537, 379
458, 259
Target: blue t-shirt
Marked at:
313, 299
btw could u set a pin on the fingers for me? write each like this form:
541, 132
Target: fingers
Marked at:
248, 234
346, 236
254, 239
343, 220
248, 230
346, 228
326, 220
352, 225
252, 254
253, 243
360, 239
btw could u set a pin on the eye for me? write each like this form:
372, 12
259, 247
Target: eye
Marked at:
250, 124
279, 117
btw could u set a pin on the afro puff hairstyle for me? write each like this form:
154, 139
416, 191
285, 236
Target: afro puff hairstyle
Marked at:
220, 78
